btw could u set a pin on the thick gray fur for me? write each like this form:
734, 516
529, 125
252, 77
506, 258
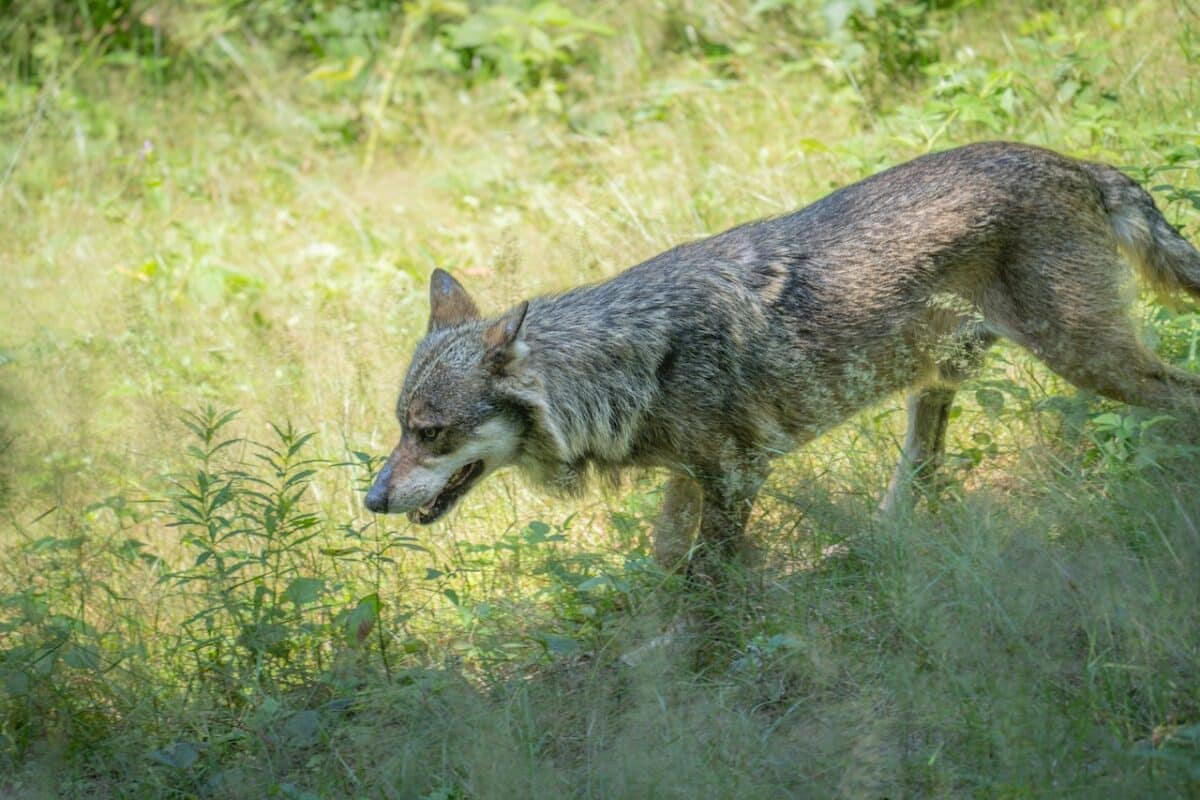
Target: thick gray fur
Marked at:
713, 358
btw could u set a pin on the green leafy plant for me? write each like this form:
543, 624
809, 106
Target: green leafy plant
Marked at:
248, 533
49, 662
1124, 440
528, 45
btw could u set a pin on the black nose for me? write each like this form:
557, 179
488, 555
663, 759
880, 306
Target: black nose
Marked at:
381, 487
377, 499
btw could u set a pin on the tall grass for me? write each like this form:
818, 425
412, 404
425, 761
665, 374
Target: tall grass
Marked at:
238, 206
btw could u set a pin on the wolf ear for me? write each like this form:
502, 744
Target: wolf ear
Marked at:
449, 303
500, 337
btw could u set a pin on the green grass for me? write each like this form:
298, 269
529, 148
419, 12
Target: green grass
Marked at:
248, 220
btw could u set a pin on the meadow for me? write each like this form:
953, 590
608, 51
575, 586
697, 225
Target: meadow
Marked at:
218, 223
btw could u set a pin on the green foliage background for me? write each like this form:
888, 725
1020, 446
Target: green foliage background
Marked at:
209, 206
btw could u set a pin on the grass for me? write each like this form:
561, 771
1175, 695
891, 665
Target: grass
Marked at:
211, 236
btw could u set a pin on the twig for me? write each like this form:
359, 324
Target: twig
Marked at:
413, 18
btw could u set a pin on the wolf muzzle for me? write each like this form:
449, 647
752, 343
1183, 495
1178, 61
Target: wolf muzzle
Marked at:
377, 495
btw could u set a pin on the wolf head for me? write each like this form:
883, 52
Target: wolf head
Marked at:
455, 425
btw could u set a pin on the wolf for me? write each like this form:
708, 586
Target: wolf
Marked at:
716, 357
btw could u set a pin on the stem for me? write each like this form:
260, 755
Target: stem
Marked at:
413, 18
383, 656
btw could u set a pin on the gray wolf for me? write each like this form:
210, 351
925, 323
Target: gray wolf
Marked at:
717, 356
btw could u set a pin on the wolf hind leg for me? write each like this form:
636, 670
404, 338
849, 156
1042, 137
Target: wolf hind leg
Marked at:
1087, 334
928, 414
1113, 363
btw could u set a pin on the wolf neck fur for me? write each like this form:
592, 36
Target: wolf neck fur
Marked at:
575, 431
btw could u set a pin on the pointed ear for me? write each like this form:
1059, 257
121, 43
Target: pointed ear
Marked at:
501, 336
449, 303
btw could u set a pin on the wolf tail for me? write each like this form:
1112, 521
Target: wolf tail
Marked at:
1163, 257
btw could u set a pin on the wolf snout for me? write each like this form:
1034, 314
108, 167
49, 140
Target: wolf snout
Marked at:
377, 495
377, 500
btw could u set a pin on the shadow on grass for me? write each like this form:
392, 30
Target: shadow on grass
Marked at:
1013, 647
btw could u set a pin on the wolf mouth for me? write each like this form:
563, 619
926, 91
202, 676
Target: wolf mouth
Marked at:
458, 485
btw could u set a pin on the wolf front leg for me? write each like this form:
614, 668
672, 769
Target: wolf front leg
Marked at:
675, 527
928, 414
721, 542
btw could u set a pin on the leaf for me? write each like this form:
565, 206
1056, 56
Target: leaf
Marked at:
784, 641
81, 658
179, 755
51, 543
361, 620
33, 609
595, 583
302, 591
303, 729
559, 645
337, 71
299, 443
131, 550
16, 683
538, 532
1067, 90
298, 477
266, 637
409, 543
225, 419
990, 400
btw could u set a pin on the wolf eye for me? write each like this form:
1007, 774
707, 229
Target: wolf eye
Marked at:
429, 434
